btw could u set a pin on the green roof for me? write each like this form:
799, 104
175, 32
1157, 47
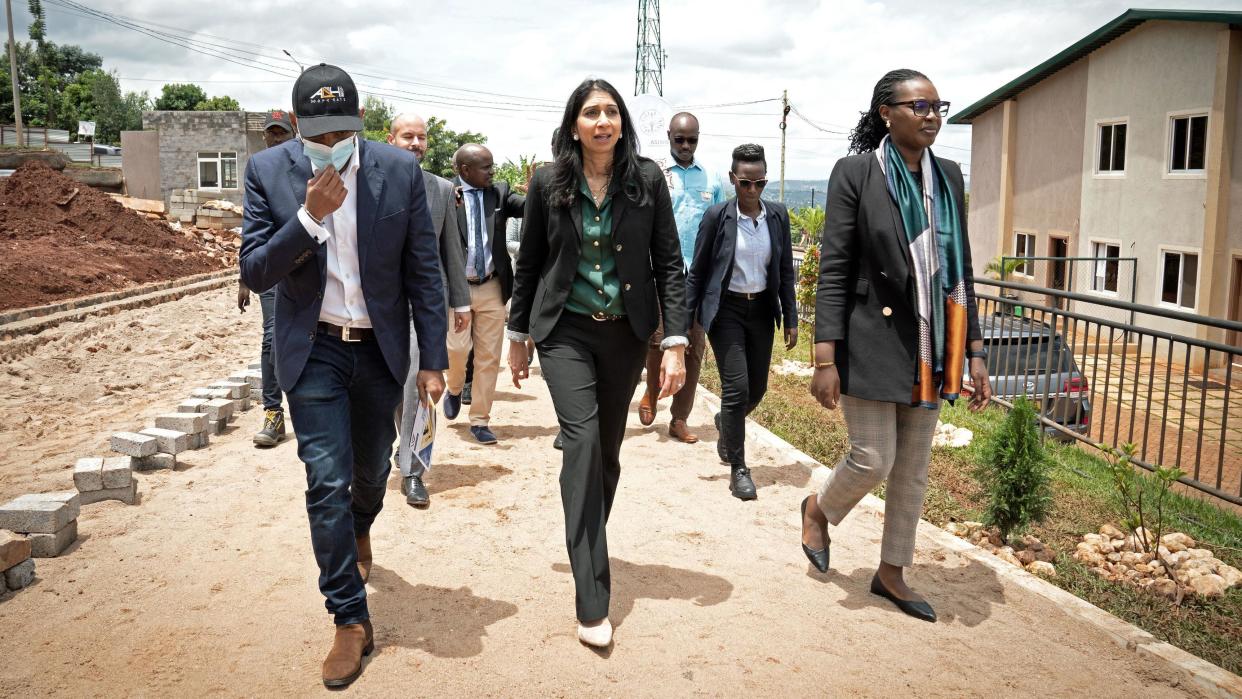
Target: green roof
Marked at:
1127, 21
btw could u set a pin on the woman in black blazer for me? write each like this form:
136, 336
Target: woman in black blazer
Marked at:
895, 320
741, 288
598, 262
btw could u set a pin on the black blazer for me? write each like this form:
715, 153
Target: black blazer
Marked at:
866, 295
711, 269
398, 256
645, 246
499, 205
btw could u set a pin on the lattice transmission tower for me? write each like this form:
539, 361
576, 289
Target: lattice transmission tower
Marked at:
650, 57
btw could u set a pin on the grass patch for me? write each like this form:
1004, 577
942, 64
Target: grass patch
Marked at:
1083, 500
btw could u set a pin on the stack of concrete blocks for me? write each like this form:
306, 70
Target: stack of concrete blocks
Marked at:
144, 451
99, 479
184, 205
219, 411
253, 376
183, 430
17, 568
49, 520
218, 214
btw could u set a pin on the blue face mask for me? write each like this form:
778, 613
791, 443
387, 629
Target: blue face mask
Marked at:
321, 156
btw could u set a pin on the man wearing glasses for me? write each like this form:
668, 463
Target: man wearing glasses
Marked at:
693, 189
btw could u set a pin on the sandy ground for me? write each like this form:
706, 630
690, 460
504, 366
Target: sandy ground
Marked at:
207, 587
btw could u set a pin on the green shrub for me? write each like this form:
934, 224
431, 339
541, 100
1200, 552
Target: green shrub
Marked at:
1014, 473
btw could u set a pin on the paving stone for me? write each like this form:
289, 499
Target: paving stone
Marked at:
170, 441
241, 405
236, 389
20, 575
35, 514
191, 405
200, 440
210, 393
14, 548
133, 444
87, 474
117, 473
127, 494
218, 409
182, 422
216, 426
156, 462
52, 545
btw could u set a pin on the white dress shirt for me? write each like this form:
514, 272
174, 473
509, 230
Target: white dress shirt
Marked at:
343, 303
753, 253
471, 250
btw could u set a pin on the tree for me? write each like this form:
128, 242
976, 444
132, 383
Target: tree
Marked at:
808, 223
376, 118
443, 142
223, 103
180, 97
1014, 474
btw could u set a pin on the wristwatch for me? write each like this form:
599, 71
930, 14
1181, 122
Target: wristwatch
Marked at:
977, 354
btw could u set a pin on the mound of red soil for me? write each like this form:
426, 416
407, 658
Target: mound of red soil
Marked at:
55, 244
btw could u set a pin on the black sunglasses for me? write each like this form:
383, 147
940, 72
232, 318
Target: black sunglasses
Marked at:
692, 140
924, 107
748, 184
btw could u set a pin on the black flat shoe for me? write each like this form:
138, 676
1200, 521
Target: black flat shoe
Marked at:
819, 558
918, 610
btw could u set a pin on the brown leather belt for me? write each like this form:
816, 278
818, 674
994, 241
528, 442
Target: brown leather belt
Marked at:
347, 334
744, 295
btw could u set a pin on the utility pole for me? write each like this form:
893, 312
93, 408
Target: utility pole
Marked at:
784, 123
17, 98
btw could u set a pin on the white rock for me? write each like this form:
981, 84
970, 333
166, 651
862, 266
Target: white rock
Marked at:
1198, 553
1232, 576
1208, 585
1112, 532
1042, 569
1177, 541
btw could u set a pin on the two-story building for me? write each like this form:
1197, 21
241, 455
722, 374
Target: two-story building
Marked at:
1120, 150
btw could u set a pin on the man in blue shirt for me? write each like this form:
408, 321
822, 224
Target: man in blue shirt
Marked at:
693, 189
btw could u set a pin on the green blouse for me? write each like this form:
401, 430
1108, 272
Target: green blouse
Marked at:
596, 287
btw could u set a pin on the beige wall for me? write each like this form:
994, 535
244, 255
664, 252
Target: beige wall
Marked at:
984, 218
1048, 163
140, 164
1158, 68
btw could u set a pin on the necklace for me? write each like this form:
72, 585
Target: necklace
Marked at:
603, 189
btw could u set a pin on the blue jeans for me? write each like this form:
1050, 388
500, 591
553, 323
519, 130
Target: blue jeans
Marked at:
341, 409
271, 389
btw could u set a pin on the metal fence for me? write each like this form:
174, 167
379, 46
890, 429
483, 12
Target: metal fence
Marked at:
1107, 278
1171, 395
35, 135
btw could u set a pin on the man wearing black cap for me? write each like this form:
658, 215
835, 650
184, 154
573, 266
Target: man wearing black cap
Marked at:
341, 227
277, 128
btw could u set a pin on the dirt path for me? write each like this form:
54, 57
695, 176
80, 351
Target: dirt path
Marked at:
208, 586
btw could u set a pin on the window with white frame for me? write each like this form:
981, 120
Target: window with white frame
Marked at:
1023, 246
1188, 147
1112, 154
1179, 278
1106, 263
217, 170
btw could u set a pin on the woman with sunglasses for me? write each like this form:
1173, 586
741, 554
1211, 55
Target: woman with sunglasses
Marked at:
895, 321
741, 288
598, 263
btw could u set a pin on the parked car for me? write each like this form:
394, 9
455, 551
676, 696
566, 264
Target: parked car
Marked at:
104, 149
1026, 357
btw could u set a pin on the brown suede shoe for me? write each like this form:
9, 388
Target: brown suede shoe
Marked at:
647, 408
344, 661
679, 430
364, 556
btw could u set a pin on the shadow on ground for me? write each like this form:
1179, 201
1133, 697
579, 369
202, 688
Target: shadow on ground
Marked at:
634, 581
446, 477
962, 594
445, 622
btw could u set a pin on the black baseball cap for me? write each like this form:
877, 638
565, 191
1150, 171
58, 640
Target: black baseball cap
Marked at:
325, 100
278, 117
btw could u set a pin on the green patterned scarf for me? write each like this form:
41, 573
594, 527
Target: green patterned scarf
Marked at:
937, 253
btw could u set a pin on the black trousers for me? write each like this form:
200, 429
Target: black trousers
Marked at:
741, 338
592, 369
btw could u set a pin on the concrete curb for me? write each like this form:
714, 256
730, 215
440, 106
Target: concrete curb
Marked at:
1213, 680
35, 320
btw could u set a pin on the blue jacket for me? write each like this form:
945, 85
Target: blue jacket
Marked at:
399, 258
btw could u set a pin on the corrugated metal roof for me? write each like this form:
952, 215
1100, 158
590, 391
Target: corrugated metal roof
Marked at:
1127, 21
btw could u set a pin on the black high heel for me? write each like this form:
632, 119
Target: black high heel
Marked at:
918, 610
819, 558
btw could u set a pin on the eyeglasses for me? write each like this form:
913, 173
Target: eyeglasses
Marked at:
922, 108
692, 140
749, 184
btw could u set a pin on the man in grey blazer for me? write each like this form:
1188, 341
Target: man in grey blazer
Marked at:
409, 131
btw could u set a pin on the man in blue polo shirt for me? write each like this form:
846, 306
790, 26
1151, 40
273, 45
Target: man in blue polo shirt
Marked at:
693, 189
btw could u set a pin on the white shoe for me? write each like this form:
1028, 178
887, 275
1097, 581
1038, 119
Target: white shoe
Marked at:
598, 634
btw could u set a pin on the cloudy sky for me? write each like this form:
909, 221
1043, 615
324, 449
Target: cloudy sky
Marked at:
505, 68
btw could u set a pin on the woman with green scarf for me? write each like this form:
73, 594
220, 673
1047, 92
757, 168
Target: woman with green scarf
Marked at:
895, 321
